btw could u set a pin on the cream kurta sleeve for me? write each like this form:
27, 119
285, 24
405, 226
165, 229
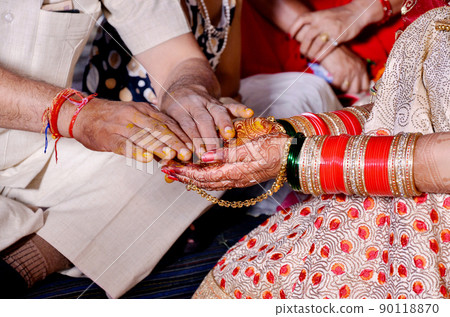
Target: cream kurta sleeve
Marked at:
145, 24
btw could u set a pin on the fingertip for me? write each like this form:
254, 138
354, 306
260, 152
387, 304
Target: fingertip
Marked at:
184, 155
147, 157
208, 157
228, 133
247, 113
166, 153
170, 179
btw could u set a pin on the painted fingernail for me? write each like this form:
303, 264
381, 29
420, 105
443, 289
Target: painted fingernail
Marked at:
171, 177
249, 112
209, 156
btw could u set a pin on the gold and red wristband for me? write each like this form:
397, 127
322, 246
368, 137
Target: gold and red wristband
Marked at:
51, 114
357, 165
347, 121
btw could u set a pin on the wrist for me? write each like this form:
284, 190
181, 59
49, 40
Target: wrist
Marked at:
373, 11
64, 117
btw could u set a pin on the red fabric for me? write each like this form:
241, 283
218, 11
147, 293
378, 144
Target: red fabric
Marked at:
419, 7
266, 49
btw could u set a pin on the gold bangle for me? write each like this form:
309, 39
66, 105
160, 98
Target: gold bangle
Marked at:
354, 163
347, 165
279, 182
411, 189
299, 128
358, 114
332, 126
400, 164
303, 164
307, 125
317, 151
308, 165
361, 179
342, 129
391, 166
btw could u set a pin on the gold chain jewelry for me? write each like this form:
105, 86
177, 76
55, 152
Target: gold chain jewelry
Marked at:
279, 182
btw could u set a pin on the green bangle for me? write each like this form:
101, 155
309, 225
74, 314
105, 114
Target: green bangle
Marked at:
292, 172
290, 130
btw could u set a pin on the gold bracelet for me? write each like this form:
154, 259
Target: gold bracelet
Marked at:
391, 166
307, 125
279, 182
316, 185
332, 126
411, 189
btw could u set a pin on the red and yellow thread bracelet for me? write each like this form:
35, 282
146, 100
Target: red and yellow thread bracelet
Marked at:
80, 105
50, 117
387, 11
51, 114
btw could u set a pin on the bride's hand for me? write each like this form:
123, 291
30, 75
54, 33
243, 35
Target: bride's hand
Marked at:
252, 128
244, 165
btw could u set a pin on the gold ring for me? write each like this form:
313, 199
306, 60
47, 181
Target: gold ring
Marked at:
345, 85
324, 37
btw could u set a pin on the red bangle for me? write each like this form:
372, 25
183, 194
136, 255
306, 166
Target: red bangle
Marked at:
350, 121
80, 103
338, 163
327, 177
319, 125
376, 170
387, 11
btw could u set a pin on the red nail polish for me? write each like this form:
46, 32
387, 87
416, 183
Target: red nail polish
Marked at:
208, 156
172, 177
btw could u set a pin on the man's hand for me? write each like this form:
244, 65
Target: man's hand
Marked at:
348, 70
200, 115
316, 31
135, 130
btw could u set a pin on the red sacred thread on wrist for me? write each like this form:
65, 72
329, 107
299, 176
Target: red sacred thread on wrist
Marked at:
376, 170
80, 105
350, 121
319, 125
387, 11
50, 117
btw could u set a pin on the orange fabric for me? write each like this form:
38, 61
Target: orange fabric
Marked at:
266, 49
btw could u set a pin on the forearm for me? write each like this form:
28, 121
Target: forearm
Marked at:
371, 11
24, 101
282, 13
178, 63
431, 164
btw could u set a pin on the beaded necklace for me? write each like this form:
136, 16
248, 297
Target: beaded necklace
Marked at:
212, 31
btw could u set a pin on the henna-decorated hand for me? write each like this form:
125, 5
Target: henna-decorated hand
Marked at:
247, 164
249, 129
